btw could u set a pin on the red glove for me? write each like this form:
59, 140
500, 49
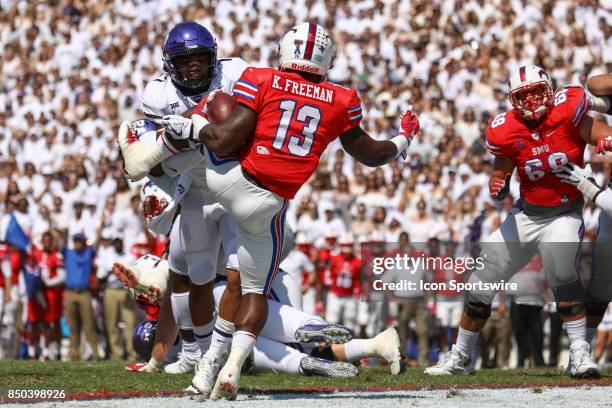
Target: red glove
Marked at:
409, 127
499, 188
604, 145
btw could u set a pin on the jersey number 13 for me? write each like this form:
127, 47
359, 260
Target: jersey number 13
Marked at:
307, 118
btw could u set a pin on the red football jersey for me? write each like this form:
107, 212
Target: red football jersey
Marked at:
48, 260
10, 258
538, 152
296, 120
345, 275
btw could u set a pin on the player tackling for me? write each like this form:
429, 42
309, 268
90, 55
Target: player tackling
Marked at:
538, 136
284, 120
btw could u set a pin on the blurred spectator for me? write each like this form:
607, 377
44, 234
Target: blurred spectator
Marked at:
495, 335
79, 263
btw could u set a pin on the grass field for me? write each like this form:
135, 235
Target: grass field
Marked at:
110, 378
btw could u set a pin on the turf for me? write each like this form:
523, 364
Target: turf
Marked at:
86, 378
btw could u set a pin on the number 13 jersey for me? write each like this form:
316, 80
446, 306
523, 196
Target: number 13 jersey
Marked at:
296, 120
538, 152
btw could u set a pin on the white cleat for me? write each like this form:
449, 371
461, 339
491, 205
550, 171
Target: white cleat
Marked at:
388, 345
180, 366
326, 368
455, 362
580, 364
227, 384
206, 371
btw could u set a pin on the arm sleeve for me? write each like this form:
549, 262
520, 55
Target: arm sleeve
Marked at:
151, 106
353, 112
248, 89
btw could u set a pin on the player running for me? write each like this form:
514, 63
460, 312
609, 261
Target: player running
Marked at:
284, 120
540, 134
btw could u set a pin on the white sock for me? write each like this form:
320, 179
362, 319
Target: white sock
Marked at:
53, 350
221, 338
242, 345
576, 330
190, 350
466, 341
180, 310
31, 351
357, 349
590, 333
153, 362
270, 355
203, 335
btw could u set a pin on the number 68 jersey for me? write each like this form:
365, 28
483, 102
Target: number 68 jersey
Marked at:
296, 120
538, 152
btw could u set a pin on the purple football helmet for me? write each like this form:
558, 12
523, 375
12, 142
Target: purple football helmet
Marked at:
185, 39
143, 338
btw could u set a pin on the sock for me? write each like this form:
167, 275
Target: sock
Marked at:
357, 349
466, 341
203, 335
576, 330
221, 338
190, 350
31, 351
242, 345
590, 333
53, 350
153, 362
180, 310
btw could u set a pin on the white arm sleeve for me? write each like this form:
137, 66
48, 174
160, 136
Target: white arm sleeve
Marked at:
166, 183
604, 201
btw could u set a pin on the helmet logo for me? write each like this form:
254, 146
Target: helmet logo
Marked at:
297, 51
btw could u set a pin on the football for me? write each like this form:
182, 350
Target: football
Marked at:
219, 108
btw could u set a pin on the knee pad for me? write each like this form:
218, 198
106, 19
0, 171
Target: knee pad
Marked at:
477, 310
596, 308
570, 310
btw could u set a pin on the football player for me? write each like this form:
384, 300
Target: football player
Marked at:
284, 120
192, 71
600, 286
542, 132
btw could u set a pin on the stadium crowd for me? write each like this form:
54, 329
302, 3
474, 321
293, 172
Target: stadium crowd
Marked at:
72, 70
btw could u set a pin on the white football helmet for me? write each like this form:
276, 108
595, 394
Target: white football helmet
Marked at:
531, 92
307, 47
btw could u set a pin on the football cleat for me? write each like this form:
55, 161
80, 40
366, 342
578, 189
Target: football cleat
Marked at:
227, 384
455, 362
327, 368
181, 366
206, 371
388, 345
191, 391
141, 368
323, 333
580, 364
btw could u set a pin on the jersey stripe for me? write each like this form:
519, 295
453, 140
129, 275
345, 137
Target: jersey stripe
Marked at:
522, 74
247, 85
354, 108
244, 94
312, 31
354, 118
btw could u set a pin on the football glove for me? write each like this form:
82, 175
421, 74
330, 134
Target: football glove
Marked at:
581, 178
409, 127
604, 145
180, 128
499, 188
139, 158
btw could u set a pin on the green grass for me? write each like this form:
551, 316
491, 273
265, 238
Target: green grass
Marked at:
77, 377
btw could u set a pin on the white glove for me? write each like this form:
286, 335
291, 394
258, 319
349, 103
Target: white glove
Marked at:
180, 128
139, 158
581, 178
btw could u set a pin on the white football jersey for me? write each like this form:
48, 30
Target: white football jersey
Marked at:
161, 97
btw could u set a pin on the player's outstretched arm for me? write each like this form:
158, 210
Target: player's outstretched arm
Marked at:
366, 150
600, 85
583, 179
227, 137
375, 153
597, 133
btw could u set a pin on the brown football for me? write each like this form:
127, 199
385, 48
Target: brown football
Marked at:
220, 107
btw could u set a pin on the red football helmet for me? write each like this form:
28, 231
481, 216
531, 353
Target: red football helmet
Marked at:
531, 92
